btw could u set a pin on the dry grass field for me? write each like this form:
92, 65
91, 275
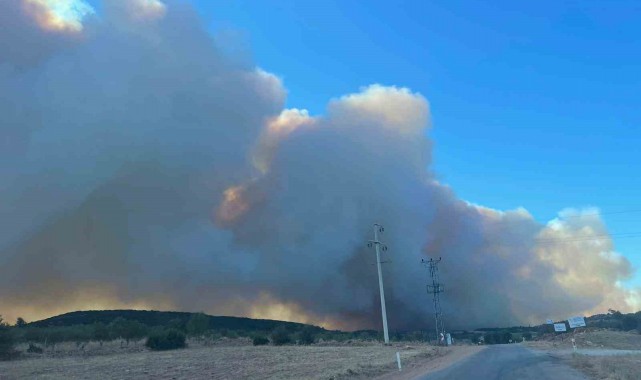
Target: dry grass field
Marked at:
625, 367
591, 338
603, 354
230, 360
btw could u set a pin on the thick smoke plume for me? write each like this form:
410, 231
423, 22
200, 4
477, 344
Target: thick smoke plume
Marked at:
142, 167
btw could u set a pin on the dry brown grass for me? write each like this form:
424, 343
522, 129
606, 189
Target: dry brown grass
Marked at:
220, 362
624, 367
603, 361
592, 338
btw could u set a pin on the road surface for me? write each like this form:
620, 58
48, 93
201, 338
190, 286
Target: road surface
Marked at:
507, 361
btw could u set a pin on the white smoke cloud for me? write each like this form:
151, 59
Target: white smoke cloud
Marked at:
142, 167
58, 15
364, 162
33, 30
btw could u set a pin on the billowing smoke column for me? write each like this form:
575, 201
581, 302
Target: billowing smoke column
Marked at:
142, 167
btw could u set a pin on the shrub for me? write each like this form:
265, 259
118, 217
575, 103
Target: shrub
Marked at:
244, 333
494, 338
260, 341
127, 330
166, 340
198, 324
280, 336
629, 322
231, 334
498, 337
615, 314
53, 336
366, 335
34, 334
177, 324
416, 336
6, 342
33, 349
212, 335
307, 336
99, 332
396, 336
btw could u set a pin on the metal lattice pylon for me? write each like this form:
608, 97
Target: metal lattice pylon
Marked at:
435, 289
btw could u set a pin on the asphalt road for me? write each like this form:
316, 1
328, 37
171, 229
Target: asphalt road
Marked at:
507, 361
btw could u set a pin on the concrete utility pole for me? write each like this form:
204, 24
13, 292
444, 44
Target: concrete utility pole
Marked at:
435, 289
378, 246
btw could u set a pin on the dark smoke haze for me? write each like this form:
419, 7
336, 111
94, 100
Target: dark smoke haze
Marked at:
142, 167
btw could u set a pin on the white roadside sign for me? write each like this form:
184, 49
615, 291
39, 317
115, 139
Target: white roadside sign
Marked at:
549, 321
576, 322
559, 327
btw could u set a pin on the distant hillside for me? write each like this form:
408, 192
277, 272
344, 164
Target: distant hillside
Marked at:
163, 318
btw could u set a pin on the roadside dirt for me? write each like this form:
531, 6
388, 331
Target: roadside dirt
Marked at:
447, 356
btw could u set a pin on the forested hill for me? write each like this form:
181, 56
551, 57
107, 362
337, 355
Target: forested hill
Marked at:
163, 318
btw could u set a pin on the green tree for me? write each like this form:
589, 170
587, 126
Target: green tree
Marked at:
34, 334
177, 324
629, 322
197, 324
100, 332
6, 341
53, 336
134, 330
260, 341
166, 340
615, 314
20, 322
127, 330
307, 335
117, 328
280, 336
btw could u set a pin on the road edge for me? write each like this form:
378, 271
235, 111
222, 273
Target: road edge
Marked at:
419, 368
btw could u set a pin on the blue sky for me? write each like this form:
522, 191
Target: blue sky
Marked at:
534, 104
